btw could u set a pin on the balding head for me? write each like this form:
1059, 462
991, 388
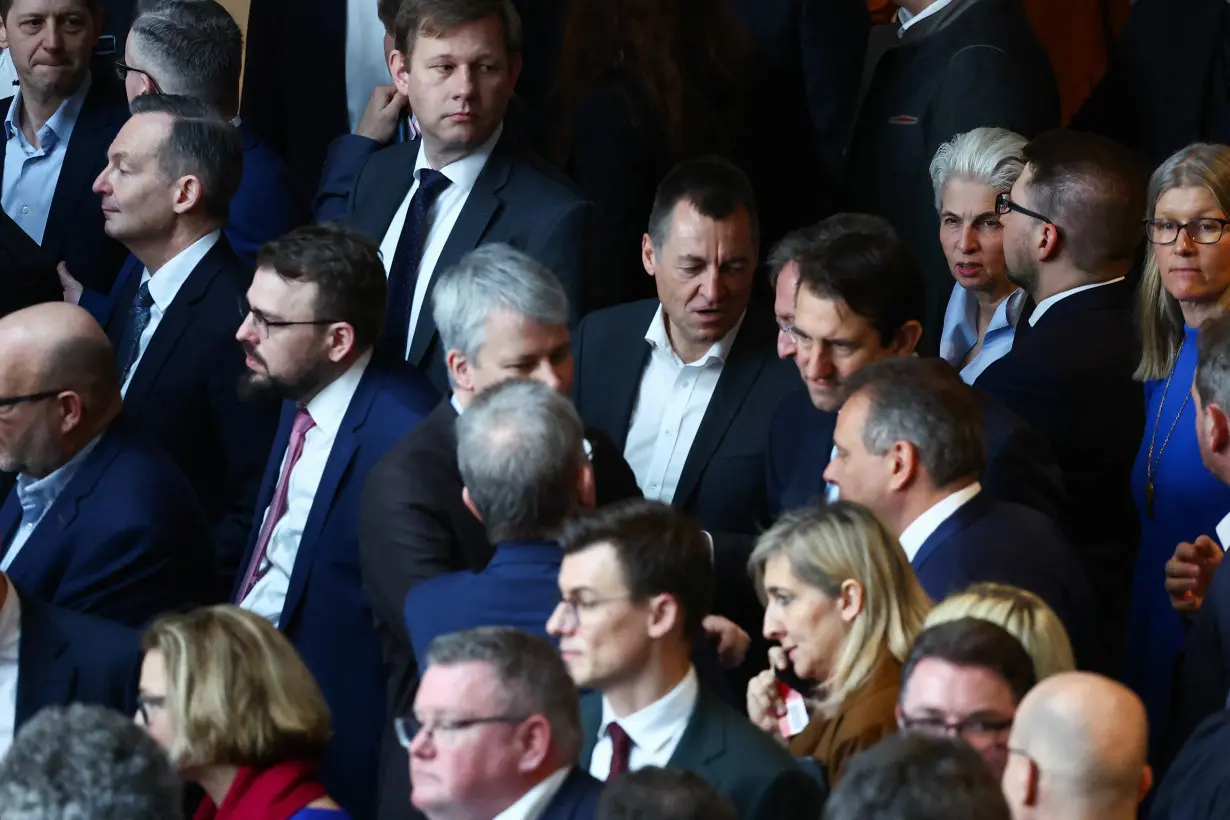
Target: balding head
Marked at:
1079, 744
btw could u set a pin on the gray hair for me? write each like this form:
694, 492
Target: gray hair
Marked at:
924, 402
813, 239
194, 48
989, 156
87, 763
520, 447
533, 676
488, 279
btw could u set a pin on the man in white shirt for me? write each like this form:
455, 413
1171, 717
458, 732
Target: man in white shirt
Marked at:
635, 585
495, 731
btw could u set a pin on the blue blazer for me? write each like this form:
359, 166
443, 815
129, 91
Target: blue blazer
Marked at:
326, 615
345, 160
266, 205
66, 657
125, 540
184, 396
577, 798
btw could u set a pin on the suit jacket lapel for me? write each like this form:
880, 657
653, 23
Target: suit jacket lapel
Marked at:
967, 514
375, 216
591, 720
703, 739
273, 467
621, 377
123, 294
77, 173
45, 674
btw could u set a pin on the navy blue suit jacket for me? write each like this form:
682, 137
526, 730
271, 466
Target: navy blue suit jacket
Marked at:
266, 206
326, 615
65, 657
125, 540
1197, 786
345, 160
577, 798
184, 396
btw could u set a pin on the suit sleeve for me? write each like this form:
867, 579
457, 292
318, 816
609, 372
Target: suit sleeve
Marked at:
343, 164
1025, 472
1204, 677
570, 250
265, 209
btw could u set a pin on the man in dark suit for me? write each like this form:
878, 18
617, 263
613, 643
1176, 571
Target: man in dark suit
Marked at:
1071, 228
195, 49
100, 522
466, 182
506, 703
954, 66
635, 585
57, 130
315, 309
172, 316
27, 275
910, 448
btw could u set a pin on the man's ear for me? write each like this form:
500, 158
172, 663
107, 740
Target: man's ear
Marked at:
399, 70
906, 339
1049, 243
587, 493
469, 502
459, 368
648, 257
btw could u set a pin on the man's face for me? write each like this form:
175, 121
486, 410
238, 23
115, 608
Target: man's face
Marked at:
1020, 244
51, 42
703, 273
139, 202
940, 695
834, 343
515, 347
452, 769
289, 361
29, 431
862, 477
783, 308
459, 85
605, 639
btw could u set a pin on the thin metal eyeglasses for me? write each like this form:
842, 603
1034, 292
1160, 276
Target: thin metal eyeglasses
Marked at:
408, 728
978, 731
122, 69
1206, 230
574, 607
1004, 204
147, 702
264, 323
12, 401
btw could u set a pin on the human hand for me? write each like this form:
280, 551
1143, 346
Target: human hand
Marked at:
1190, 571
384, 108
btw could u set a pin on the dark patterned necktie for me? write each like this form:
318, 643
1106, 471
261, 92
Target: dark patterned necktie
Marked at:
621, 750
138, 320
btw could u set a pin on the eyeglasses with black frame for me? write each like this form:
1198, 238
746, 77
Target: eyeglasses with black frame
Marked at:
1206, 230
264, 323
409, 727
1004, 204
980, 732
9, 402
122, 69
147, 702
574, 607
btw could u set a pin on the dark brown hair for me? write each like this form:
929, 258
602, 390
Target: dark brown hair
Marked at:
435, 18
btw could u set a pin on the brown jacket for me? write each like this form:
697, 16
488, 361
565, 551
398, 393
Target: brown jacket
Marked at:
863, 720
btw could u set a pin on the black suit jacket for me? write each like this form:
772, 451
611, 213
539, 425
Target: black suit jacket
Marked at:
518, 199
27, 274
184, 395
75, 234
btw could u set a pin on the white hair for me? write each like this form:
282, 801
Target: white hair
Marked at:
991, 156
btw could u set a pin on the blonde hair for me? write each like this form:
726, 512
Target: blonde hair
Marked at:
1022, 614
828, 545
237, 692
1202, 165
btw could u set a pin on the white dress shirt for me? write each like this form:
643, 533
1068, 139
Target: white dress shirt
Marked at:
906, 19
655, 731
327, 408
163, 285
670, 405
8, 73
444, 213
922, 527
365, 64
10, 643
532, 804
1223, 527
1046, 303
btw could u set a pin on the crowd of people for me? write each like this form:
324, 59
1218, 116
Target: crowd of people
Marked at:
563, 438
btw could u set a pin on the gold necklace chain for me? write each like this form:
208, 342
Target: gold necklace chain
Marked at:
1150, 467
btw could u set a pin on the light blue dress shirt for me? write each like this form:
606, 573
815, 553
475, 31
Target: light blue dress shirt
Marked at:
36, 495
31, 174
961, 331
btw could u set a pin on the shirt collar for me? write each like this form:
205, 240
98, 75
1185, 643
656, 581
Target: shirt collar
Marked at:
328, 407
907, 20
463, 173
10, 622
654, 726
172, 275
62, 121
1050, 301
36, 495
531, 805
660, 341
961, 315
925, 525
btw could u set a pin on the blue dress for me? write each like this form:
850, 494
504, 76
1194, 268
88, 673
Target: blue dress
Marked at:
320, 814
1188, 501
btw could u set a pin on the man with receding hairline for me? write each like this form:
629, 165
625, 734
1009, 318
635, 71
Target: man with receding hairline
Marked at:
100, 521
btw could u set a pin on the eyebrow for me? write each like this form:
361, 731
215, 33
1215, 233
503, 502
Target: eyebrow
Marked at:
977, 217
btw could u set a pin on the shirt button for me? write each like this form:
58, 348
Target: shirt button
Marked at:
25, 209
669, 433
653, 486
687, 383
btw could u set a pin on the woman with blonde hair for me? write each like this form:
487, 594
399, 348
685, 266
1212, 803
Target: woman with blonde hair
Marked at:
1186, 282
1022, 614
232, 703
843, 603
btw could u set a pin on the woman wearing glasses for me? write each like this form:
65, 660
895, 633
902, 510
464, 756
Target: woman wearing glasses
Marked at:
1186, 282
843, 603
232, 703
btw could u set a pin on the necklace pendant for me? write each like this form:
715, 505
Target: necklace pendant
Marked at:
1149, 498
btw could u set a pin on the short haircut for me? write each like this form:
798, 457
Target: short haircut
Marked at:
530, 671
201, 144
811, 239
79, 761
86, 365
987, 156
867, 266
194, 49
520, 449
387, 10
712, 185
660, 551
345, 266
913, 776
654, 793
93, 6
973, 642
237, 693
492, 278
436, 18
1213, 362
1093, 189
924, 402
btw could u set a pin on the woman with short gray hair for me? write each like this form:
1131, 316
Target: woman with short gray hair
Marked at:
968, 172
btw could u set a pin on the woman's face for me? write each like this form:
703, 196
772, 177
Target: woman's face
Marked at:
972, 236
810, 626
1192, 272
152, 700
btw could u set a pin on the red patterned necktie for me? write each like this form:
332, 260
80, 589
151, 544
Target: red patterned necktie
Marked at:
621, 749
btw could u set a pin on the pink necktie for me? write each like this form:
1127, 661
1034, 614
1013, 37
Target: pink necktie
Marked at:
277, 507
621, 750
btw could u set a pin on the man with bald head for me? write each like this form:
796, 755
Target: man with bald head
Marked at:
1077, 751
99, 522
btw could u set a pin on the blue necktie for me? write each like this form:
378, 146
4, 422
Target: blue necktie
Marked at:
403, 273
138, 320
